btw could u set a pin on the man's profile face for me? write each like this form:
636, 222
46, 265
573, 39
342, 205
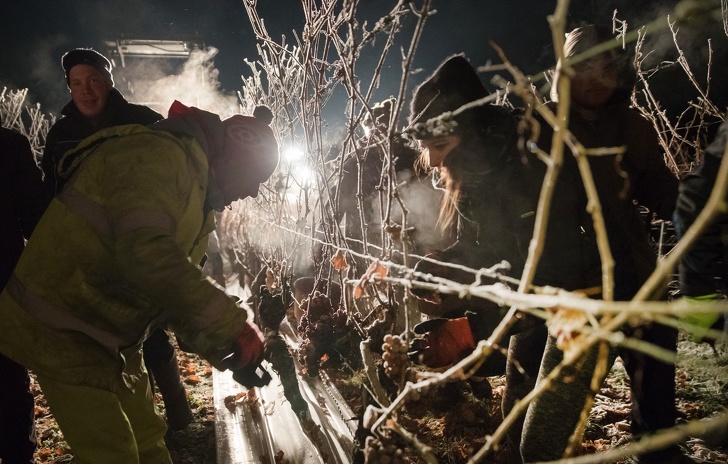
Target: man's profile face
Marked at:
237, 177
89, 90
247, 161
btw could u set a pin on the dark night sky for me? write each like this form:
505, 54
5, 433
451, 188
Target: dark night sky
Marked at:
35, 33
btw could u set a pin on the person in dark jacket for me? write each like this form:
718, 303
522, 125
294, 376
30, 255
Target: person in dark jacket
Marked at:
490, 196
21, 206
95, 104
703, 269
600, 116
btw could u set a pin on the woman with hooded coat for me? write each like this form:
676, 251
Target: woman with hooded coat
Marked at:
491, 193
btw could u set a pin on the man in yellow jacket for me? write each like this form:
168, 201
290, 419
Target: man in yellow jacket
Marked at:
115, 257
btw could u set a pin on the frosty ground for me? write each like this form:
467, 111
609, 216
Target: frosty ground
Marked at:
702, 389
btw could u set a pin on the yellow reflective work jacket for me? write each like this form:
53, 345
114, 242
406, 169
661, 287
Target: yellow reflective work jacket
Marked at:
115, 256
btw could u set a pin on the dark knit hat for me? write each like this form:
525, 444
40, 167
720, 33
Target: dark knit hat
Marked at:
87, 56
452, 85
380, 113
253, 140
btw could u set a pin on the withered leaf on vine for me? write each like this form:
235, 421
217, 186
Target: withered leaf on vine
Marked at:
375, 271
339, 261
566, 325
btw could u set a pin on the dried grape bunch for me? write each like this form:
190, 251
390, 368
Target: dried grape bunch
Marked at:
277, 354
394, 355
382, 451
321, 327
316, 307
271, 309
309, 355
380, 327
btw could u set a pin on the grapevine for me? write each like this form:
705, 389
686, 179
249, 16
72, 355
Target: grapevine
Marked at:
276, 352
379, 327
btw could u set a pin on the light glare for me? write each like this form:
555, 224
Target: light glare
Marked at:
293, 154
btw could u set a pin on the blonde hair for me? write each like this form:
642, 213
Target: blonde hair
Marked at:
449, 205
446, 180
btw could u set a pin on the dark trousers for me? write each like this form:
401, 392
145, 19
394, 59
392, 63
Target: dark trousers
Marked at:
525, 352
653, 386
544, 431
17, 410
158, 350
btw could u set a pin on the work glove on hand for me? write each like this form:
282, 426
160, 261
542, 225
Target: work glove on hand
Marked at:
249, 350
700, 322
252, 376
444, 342
249, 346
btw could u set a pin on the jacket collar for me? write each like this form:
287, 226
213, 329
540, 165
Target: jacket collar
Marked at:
207, 129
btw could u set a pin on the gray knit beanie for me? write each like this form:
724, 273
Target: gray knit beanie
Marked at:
86, 56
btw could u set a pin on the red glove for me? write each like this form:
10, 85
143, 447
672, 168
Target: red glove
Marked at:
445, 342
249, 346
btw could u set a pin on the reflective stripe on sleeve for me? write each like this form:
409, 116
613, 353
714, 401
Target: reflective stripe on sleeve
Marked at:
88, 209
96, 216
56, 318
141, 219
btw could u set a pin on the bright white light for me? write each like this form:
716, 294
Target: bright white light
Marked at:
293, 154
303, 174
302, 177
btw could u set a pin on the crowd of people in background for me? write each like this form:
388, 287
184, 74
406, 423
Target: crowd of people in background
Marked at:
128, 198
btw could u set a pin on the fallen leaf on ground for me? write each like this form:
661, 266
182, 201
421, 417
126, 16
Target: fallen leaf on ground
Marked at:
192, 379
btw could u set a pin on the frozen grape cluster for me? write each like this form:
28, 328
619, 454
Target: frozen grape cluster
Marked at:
382, 451
321, 327
394, 355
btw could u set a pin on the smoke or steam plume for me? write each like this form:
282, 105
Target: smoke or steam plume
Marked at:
423, 203
157, 83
